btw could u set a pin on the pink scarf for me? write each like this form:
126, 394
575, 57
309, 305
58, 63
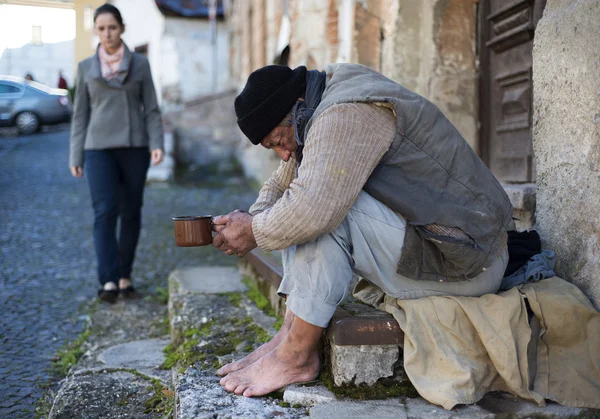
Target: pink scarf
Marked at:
110, 63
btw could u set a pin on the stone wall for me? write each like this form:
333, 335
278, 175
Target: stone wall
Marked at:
566, 138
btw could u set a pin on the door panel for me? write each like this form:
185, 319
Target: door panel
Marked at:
507, 30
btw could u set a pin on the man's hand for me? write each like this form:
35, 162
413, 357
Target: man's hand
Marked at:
235, 233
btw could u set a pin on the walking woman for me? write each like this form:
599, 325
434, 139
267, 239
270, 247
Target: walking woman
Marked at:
116, 130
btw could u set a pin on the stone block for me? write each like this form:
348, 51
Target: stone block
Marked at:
139, 354
362, 363
307, 395
420, 408
206, 280
566, 138
380, 409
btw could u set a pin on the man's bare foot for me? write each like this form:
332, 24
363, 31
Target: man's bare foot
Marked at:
296, 359
261, 350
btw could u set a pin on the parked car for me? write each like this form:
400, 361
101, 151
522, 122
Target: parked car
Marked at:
29, 105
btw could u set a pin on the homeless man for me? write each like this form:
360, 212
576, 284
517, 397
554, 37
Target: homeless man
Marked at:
373, 180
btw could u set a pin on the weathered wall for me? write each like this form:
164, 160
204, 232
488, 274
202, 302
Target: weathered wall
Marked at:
429, 46
566, 138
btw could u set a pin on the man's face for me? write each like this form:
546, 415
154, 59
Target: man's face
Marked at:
281, 139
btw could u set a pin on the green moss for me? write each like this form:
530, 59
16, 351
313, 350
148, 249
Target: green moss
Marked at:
297, 406
70, 354
235, 298
162, 399
383, 389
278, 323
284, 404
258, 297
43, 405
186, 354
162, 295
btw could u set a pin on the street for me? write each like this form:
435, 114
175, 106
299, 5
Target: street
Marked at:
47, 259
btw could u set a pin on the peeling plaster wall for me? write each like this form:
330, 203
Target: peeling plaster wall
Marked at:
426, 45
429, 47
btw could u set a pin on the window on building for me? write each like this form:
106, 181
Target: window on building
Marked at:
88, 18
36, 35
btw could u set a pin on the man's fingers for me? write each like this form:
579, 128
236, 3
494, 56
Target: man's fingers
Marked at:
230, 252
218, 227
221, 220
218, 241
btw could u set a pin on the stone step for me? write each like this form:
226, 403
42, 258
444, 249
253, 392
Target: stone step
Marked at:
362, 342
213, 322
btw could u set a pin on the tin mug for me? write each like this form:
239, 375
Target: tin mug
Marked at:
193, 230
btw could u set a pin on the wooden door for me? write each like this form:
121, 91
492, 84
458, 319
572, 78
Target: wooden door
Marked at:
506, 92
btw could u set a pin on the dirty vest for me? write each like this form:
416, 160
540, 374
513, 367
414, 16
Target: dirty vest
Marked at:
430, 175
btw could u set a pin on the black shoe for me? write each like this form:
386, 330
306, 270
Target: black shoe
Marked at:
129, 292
110, 296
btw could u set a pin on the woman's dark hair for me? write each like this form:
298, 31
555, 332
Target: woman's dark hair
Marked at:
109, 8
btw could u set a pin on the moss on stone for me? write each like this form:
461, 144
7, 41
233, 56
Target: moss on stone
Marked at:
284, 404
70, 353
383, 389
188, 353
235, 298
162, 400
257, 297
162, 295
278, 323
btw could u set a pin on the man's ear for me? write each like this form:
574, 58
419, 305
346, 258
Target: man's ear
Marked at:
123, 29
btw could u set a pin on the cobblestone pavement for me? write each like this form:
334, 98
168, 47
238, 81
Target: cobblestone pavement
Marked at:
47, 260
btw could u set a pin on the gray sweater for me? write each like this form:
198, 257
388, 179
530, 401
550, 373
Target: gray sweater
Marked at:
122, 112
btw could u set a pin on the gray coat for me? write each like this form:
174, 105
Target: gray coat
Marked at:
431, 176
122, 112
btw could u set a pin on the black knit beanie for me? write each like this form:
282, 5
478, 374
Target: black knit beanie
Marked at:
268, 96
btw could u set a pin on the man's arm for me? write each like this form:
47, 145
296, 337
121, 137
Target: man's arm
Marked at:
274, 187
344, 145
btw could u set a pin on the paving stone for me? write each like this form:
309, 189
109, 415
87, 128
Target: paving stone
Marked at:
507, 404
208, 280
307, 395
419, 408
380, 409
139, 354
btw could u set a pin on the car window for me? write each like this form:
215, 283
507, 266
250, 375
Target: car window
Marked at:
7, 88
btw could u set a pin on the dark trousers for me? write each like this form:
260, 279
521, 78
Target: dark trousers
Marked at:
116, 178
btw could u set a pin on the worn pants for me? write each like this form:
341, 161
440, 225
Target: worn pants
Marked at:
116, 178
369, 243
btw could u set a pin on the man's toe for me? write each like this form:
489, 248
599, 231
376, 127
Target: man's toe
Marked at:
231, 385
240, 389
248, 392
